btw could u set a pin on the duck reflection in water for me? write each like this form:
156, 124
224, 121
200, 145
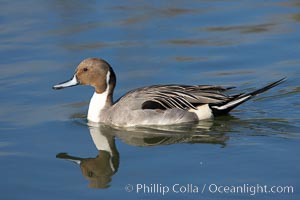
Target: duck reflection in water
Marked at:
99, 170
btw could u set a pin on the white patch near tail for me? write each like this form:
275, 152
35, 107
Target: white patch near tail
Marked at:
231, 103
202, 112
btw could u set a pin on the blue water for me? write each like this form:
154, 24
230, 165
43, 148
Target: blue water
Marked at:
246, 44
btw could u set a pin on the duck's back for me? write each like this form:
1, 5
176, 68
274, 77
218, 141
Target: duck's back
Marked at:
159, 105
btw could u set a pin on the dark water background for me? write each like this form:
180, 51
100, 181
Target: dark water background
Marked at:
240, 43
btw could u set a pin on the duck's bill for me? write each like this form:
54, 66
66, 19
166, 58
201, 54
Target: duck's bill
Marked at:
66, 84
66, 156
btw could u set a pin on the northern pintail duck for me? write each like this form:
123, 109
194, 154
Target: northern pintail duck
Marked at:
152, 105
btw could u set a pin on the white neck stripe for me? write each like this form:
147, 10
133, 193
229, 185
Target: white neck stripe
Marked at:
98, 102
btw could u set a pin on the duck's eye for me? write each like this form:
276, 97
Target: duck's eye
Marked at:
90, 174
85, 69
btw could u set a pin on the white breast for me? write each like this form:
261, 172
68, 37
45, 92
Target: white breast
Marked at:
97, 104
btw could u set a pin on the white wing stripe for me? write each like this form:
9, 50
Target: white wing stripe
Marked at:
231, 103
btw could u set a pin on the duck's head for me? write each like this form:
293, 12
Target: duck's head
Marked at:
94, 72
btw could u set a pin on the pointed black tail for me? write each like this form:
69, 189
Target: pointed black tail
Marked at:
241, 98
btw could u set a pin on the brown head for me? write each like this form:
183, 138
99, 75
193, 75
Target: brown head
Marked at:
94, 72
98, 170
